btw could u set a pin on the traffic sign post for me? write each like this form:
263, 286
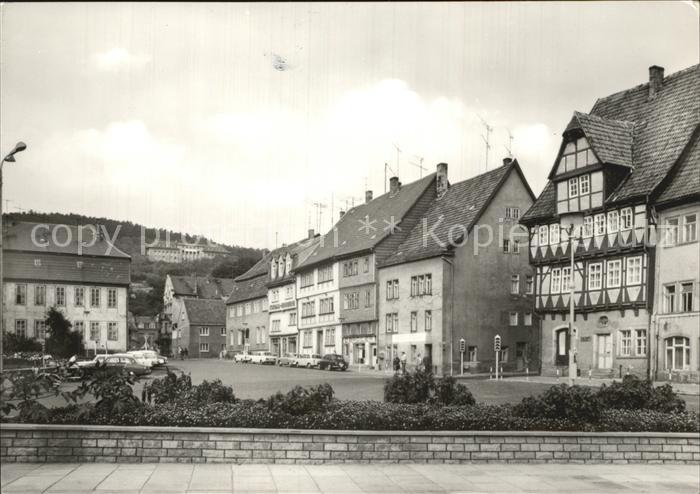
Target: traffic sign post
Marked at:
497, 349
462, 348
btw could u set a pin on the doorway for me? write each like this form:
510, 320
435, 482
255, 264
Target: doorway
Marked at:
319, 342
604, 351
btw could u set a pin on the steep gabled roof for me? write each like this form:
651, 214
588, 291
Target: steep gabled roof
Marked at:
204, 287
662, 129
249, 289
611, 140
462, 204
205, 311
684, 182
364, 226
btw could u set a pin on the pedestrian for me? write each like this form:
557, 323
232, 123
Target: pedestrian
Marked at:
419, 362
404, 358
180, 353
397, 363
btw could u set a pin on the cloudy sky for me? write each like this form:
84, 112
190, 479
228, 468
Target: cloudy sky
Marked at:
232, 120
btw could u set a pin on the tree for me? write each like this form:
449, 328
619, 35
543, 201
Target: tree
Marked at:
60, 340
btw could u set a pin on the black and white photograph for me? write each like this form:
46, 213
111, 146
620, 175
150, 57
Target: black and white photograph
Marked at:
359, 247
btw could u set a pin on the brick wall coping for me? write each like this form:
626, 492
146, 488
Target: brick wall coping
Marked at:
234, 430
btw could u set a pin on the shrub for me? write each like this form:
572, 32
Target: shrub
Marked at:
19, 391
649, 420
60, 340
449, 392
575, 403
412, 387
634, 393
17, 343
179, 389
301, 401
211, 392
113, 389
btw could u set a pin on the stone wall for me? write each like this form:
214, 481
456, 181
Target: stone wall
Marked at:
56, 443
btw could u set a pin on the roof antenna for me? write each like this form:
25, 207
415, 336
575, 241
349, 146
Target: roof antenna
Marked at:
419, 165
398, 152
509, 147
487, 140
386, 168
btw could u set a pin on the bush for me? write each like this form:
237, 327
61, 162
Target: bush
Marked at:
649, 420
301, 401
575, 403
17, 343
412, 387
179, 389
634, 393
449, 392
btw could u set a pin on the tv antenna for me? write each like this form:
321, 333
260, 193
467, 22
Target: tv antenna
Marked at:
509, 147
387, 168
487, 139
398, 152
320, 206
419, 165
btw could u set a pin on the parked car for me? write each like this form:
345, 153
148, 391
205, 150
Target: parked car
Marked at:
86, 364
146, 357
333, 361
241, 358
263, 358
308, 360
288, 359
128, 363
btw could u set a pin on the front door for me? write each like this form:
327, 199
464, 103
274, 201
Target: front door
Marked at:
604, 349
319, 342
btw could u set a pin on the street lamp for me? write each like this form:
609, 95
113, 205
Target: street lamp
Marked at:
572, 223
10, 158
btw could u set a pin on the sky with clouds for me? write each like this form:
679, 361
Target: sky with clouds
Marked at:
232, 120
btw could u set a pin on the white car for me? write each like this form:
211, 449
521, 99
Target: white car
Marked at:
148, 358
308, 361
242, 357
263, 358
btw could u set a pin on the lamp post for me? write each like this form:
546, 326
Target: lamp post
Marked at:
572, 223
10, 158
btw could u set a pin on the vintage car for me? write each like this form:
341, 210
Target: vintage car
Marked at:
241, 357
333, 361
308, 360
263, 358
146, 357
288, 359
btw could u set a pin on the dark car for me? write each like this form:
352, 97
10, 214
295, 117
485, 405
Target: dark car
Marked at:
128, 363
333, 361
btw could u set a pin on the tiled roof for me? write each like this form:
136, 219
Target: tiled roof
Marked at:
364, 226
57, 239
610, 139
685, 181
462, 204
662, 129
202, 287
205, 311
299, 251
249, 289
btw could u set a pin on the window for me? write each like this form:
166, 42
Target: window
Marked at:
203, 331
112, 298
392, 322
392, 289
422, 285
414, 286
292, 318
61, 296
640, 342
308, 309
671, 231
669, 298
289, 293
566, 279
527, 319
368, 297
595, 276
556, 281
40, 329
204, 347
274, 296
515, 284
414, 322
626, 219
94, 297
513, 318
112, 333
614, 278
79, 296
613, 222
307, 279
223, 332
473, 354
506, 246
554, 234
79, 327
273, 269
573, 187
677, 353
231, 312
325, 274
503, 354
512, 213
329, 337
21, 295
515, 247
40, 295
686, 297
599, 220
94, 331
428, 320
584, 185
21, 327
544, 235
351, 300
274, 325
365, 265
350, 268
690, 227
307, 341
634, 271
326, 306
626, 343
247, 308
529, 285
588, 226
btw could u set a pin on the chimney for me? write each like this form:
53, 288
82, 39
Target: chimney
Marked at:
341, 214
311, 233
441, 183
394, 185
368, 196
656, 80
507, 161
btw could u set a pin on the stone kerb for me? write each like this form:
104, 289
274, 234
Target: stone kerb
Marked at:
64, 443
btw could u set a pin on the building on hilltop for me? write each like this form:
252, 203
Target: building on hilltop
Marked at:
609, 171
462, 273
179, 252
67, 267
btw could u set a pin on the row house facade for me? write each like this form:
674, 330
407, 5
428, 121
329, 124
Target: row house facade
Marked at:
609, 170
462, 274
48, 265
337, 284
203, 327
247, 314
282, 294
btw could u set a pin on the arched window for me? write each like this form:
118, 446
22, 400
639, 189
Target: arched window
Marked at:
677, 353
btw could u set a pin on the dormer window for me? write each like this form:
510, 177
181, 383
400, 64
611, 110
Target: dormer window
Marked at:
273, 269
280, 267
577, 154
289, 263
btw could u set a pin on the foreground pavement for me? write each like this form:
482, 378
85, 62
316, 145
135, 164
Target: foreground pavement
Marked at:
487, 478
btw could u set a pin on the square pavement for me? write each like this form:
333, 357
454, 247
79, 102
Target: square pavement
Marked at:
107, 478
